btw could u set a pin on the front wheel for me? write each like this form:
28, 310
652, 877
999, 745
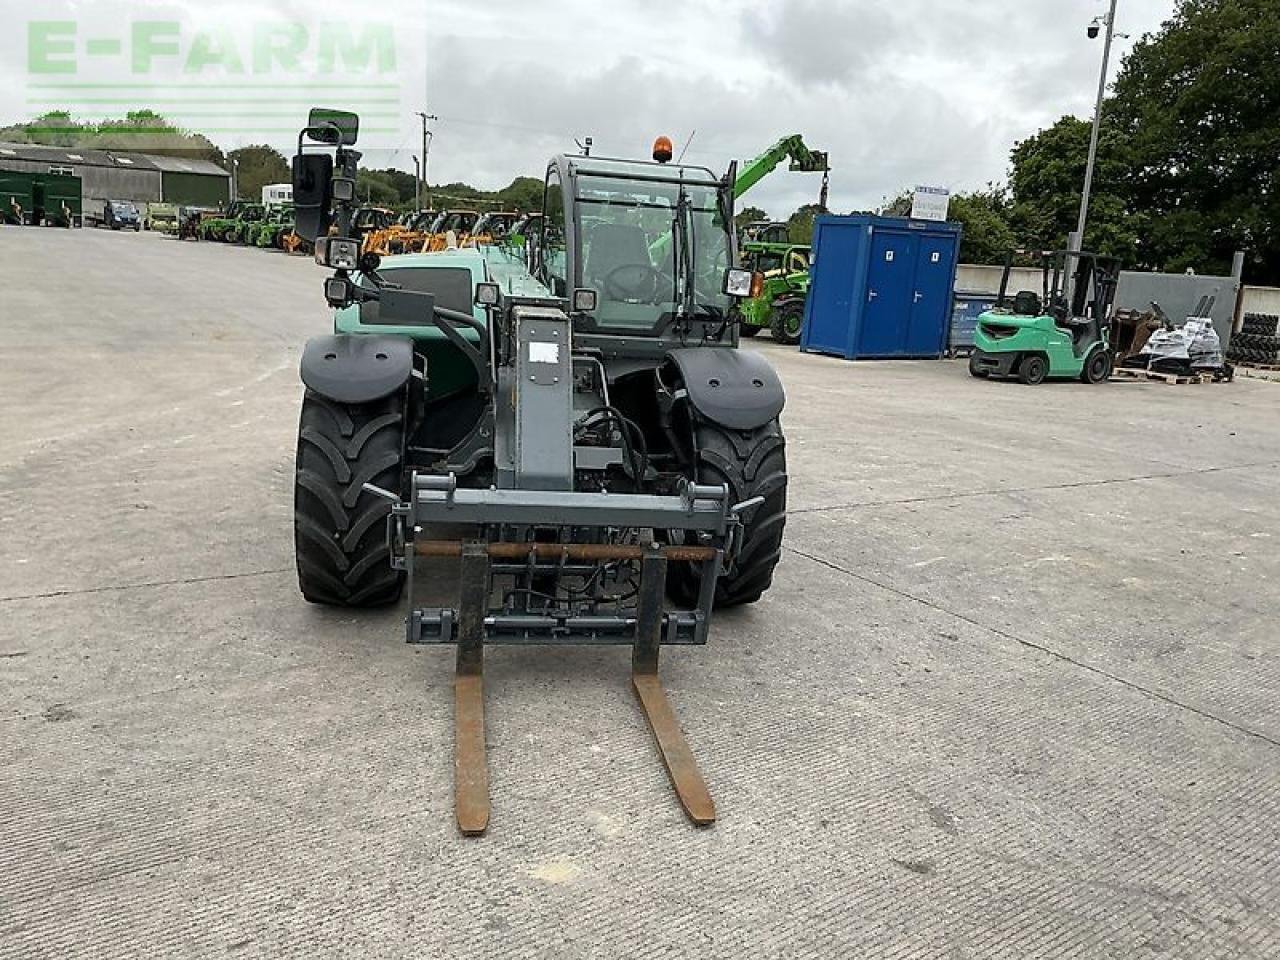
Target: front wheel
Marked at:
788, 321
1098, 367
976, 369
1032, 369
752, 463
340, 528
747, 331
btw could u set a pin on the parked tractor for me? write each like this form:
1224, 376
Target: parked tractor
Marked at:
191, 221
764, 231
450, 228
215, 227
369, 222
491, 228
577, 405
270, 233
408, 233
526, 226
241, 229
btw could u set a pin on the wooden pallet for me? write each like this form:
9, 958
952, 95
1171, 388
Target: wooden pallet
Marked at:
1139, 374
1261, 366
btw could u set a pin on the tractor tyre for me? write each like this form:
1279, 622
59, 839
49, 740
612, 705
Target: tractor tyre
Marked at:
1097, 368
787, 323
753, 463
975, 370
340, 533
747, 331
1032, 369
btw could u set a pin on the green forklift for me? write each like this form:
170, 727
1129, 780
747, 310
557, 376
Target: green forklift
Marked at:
1063, 332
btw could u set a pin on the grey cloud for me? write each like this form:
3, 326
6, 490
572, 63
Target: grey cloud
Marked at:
899, 91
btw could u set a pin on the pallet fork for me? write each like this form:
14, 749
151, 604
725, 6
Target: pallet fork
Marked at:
645, 626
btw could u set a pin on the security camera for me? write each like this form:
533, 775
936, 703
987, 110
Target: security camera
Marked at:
1093, 30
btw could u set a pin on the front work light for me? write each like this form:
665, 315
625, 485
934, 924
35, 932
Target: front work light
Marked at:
584, 300
344, 189
738, 283
339, 292
339, 253
487, 294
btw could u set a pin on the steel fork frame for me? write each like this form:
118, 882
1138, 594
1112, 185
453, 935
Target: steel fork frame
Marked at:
471, 775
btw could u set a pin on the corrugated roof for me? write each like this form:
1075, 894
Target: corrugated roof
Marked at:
119, 159
184, 165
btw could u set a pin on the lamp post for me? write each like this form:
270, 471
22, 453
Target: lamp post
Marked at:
426, 145
1077, 240
417, 184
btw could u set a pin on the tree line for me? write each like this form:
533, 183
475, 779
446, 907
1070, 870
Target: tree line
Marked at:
1188, 168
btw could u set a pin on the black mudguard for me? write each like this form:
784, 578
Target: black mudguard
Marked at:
734, 388
357, 369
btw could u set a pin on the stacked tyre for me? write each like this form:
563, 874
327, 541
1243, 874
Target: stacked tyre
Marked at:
1256, 344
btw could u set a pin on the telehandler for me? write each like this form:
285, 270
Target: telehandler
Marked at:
576, 405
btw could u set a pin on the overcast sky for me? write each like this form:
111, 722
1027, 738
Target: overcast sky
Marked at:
900, 92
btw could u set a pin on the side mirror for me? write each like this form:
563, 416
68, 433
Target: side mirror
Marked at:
312, 194
333, 127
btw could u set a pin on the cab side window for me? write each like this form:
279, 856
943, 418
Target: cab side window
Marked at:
555, 265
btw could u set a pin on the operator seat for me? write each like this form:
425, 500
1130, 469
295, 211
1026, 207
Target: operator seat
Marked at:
614, 245
1026, 304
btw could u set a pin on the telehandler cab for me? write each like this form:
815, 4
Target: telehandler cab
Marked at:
577, 404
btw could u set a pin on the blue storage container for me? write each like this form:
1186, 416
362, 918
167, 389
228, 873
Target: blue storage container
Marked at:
880, 287
968, 306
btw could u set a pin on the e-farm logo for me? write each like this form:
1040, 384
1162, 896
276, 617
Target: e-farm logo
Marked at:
242, 78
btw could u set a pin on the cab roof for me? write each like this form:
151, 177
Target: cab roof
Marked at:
608, 166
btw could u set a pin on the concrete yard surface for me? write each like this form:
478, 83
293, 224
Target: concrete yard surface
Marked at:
1015, 692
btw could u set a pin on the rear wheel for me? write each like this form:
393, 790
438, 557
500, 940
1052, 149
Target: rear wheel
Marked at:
788, 321
975, 370
1032, 369
340, 528
752, 463
1098, 367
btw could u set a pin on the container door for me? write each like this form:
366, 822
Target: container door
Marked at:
931, 296
829, 306
888, 308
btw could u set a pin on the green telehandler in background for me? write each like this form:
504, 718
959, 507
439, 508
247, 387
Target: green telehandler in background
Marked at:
778, 299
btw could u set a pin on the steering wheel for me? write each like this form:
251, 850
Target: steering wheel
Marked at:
642, 284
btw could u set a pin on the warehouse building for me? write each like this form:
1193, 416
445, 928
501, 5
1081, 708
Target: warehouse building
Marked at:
116, 175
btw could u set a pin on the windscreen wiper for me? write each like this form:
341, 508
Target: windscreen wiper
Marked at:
682, 228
